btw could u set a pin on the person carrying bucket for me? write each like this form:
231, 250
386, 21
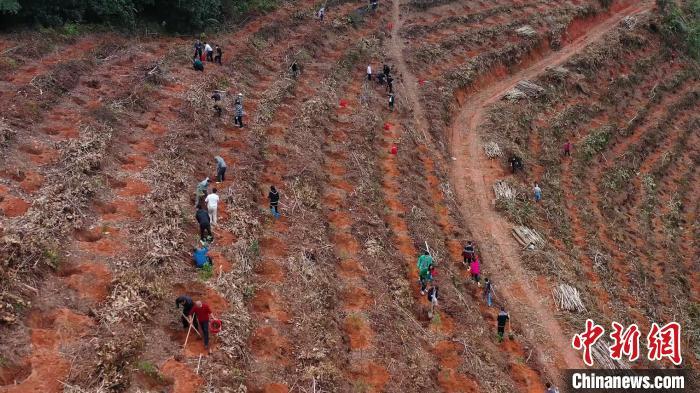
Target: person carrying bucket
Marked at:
201, 313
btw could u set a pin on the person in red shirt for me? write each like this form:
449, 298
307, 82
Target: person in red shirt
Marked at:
202, 312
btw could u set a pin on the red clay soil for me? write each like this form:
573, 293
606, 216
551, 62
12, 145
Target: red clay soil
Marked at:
267, 343
12, 206
89, 280
49, 331
268, 304
373, 375
358, 332
473, 180
185, 380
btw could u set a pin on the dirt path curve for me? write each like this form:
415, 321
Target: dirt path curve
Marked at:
472, 177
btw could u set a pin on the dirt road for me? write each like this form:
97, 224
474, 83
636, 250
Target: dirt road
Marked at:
472, 175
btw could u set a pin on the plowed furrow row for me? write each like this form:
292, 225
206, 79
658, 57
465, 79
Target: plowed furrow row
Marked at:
281, 238
503, 16
357, 298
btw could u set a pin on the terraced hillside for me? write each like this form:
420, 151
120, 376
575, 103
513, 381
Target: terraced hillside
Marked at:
104, 139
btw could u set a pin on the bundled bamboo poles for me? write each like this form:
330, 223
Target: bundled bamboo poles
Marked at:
492, 150
568, 298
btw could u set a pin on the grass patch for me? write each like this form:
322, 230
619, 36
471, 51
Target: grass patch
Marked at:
206, 272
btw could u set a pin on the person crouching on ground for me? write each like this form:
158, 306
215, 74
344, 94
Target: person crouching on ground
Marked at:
198, 65
187, 305
201, 257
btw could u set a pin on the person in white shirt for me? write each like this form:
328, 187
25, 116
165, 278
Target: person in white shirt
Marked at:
212, 201
369, 72
209, 51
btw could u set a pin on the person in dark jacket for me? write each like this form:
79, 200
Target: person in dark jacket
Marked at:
198, 48
219, 54
389, 84
295, 70
204, 224
274, 198
386, 70
217, 97
187, 305
468, 253
501, 321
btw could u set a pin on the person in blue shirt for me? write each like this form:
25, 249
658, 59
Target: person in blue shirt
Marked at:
201, 257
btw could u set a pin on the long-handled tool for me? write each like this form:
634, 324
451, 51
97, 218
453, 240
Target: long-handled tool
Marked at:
188, 331
191, 323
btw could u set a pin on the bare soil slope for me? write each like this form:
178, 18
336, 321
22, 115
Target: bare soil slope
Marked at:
104, 139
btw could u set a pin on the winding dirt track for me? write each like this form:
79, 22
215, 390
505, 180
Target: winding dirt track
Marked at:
472, 177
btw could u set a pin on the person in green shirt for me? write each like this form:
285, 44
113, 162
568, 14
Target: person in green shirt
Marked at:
424, 263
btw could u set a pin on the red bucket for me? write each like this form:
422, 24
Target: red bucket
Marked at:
394, 149
343, 103
215, 326
387, 126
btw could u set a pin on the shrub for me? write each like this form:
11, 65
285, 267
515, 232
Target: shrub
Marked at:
680, 25
594, 143
206, 272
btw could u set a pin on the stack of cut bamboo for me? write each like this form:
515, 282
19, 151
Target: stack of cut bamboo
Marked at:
529, 88
602, 359
524, 89
568, 298
526, 31
528, 238
492, 150
503, 190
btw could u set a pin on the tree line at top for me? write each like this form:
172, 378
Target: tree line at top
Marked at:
174, 16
